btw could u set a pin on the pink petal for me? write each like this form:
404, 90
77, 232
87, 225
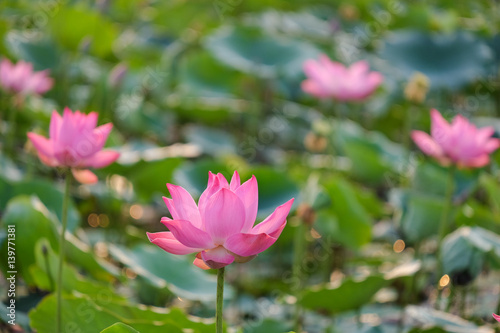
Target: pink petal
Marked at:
249, 194
426, 144
185, 206
84, 176
497, 317
485, 133
440, 129
171, 208
235, 181
55, 125
47, 160
212, 187
477, 162
200, 263
222, 180
167, 242
217, 258
91, 121
249, 244
491, 145
188, 234
274, 221
211, 179
99, 135
311, 87
101, 159
42, 144
224, 215
359, 68
333, 68
375, 79
69, 131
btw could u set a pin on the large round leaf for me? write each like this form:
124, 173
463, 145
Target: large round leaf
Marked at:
165, 270
31, 222
466, 249
90, 315
449, 60
249, 50
119, 328
350, 295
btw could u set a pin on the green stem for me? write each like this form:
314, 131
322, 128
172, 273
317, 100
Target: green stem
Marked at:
47, 267
220, 298
299, 249
443, 225
408, 123
64, 221
9, 140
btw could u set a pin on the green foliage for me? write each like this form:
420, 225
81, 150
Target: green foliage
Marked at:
250, 51
96, 314
216, 86
346, 219
449, 60
119, 328
350, 295
155, 266
466, 249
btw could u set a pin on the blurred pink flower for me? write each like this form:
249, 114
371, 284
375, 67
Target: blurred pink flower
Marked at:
329, 79
497, 317
75, 142
459, 142
221, 227
21, 79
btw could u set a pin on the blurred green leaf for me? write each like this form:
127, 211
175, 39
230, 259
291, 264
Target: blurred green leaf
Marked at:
473, 213
212, 141
267, 325
45, 273
349, 295
429, 317
449, 60
41, 52
87, 26
492, 188
50, 195
422, 216
201, 75
150, 178
352, 225
372, 155
119, 328
30, 219
466, 249
264, 55
90, 315
432, 179
165, 270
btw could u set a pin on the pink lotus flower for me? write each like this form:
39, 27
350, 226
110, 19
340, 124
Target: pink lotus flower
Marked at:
21, 79
75, 142
497, 317
328, 79
459, 142
221, 227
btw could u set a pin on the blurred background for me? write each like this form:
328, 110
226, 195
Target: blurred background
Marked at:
193, 86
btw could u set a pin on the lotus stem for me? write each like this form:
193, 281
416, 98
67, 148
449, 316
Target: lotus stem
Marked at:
220, 299
64, 221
